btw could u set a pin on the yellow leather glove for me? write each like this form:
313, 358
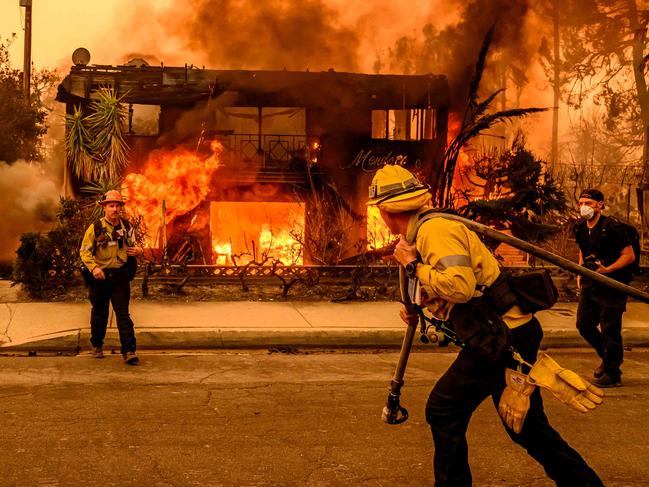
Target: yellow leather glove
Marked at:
565, 385
515, 401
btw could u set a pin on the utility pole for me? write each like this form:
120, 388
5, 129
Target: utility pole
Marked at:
556, 85
27, 60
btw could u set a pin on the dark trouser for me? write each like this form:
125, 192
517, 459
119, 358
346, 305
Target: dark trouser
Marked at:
468, 382
603, 309
115, 289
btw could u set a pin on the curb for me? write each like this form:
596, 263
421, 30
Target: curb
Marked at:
250, 338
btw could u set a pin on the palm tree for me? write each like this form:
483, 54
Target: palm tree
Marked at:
475, 121
96, 146
79, 146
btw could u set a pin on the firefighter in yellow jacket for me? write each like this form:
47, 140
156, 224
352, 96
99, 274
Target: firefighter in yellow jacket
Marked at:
454, 267
105, 252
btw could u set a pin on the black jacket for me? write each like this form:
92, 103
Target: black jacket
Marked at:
604, 242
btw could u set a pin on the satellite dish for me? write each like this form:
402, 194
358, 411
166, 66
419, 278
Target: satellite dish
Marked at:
81, 56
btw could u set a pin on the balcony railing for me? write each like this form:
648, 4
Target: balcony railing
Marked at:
268, 151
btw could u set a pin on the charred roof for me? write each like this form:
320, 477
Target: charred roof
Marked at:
186, 85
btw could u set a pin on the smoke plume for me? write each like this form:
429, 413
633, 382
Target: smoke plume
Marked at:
28, 196
277, 34
453, 50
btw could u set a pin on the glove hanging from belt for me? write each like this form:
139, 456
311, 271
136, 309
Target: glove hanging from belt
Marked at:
515, 400
565, 385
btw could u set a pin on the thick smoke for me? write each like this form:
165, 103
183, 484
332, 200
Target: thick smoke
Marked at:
249, 34
453, 50
440, 36
28, 197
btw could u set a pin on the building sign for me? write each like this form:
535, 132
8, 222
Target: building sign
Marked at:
374, 155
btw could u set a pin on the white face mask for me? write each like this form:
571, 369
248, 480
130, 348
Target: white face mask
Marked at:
587, 212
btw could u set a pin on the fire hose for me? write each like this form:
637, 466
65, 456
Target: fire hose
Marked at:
393, 412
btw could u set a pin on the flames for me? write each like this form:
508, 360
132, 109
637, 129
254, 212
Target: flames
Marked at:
222, 253
279, 245
180, 178
241, 232
378, 234
264, 233
285, 247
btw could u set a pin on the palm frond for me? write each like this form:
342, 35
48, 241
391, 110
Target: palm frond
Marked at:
106, 123
474, 84
79, 145
491, 119
93, 191
96, 144
484, 105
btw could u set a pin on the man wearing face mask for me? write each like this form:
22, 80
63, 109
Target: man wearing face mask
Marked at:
605, 248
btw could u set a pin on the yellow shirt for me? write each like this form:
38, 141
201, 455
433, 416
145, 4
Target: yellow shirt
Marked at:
455, 261
108, 254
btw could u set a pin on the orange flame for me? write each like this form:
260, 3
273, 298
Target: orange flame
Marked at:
180, 178
460, 181
243, 232
278, 245
223, 253
281, 245
378, 233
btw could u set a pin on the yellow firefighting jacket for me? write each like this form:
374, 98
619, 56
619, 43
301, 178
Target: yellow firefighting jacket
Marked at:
107, 252
455, 261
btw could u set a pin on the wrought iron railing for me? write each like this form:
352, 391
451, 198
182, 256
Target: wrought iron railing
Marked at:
268, 151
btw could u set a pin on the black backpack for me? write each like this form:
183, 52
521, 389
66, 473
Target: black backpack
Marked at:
633, 236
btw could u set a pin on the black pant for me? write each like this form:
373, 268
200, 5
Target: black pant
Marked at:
115, 289
468, 382
605, 309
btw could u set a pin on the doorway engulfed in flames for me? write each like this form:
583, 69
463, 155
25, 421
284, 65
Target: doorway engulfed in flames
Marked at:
257, 232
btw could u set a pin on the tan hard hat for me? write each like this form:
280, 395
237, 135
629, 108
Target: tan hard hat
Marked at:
112, 196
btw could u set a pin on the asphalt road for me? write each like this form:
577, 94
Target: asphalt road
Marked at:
259, 418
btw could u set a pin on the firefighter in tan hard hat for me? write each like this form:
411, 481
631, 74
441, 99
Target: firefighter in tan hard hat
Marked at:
109, 252
459, 281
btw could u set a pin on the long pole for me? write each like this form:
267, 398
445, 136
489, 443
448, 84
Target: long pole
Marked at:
27, 59
548, 257
393, 412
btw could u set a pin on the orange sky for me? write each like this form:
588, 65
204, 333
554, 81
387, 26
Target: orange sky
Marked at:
60, 26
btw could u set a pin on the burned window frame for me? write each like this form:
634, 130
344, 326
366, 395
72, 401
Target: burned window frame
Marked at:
392, 124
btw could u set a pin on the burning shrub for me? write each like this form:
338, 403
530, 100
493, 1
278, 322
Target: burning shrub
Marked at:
517, 194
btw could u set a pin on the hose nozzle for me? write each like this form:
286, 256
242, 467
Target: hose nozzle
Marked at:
393, 412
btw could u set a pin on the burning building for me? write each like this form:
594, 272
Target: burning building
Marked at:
227, 166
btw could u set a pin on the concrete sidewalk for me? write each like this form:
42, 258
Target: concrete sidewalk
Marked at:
223, 325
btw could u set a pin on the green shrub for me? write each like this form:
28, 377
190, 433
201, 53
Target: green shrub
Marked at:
48, 263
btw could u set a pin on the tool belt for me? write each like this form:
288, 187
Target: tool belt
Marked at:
481, 328
129, 269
